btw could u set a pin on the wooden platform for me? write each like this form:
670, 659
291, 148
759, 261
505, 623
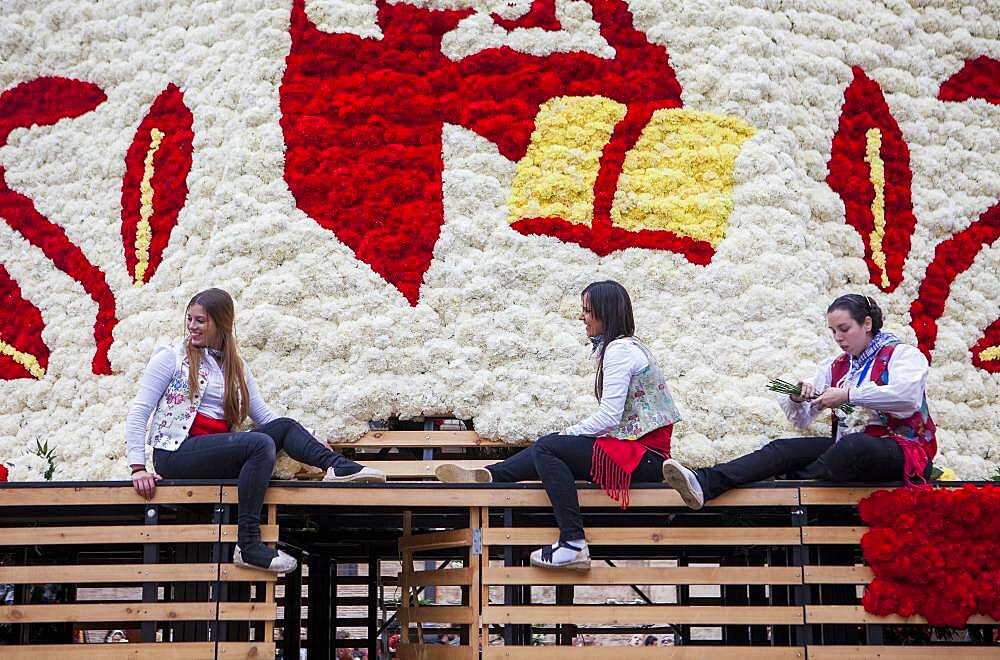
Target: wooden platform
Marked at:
781, 559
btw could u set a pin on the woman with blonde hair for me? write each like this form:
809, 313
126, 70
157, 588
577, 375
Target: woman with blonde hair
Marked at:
198, 394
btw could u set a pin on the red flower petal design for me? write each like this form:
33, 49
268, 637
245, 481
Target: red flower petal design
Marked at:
23, 354
362, 121
45, 101
870, 170
951, 257
542, 14
989, 344
978, 79
154, 187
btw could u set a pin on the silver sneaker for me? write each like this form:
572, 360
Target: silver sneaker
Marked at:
451, 473
283, 563
684, 482
544, 557
367, 475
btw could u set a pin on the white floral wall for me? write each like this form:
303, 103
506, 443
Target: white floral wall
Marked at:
405, 200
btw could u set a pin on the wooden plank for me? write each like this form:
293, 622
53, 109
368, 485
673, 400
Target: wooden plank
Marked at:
327, 494
837, 574
857, 614
930, 652
435, 652
650, 536
422, 439
833, 535
123, 573
835, 495
91, 495
699, 652
440, 578
107, 534
161, 651
441, 614
642, 614
456, 538
666, 575
128, 611
418, 469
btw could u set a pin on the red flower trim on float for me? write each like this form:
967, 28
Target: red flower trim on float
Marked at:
23, 354
978, 79
951, 258
362, 121
45, 101
870, 169
154, 187
986, 351
934, 553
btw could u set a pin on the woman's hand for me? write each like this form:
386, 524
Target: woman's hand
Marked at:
145, 483
807, 392
832, 397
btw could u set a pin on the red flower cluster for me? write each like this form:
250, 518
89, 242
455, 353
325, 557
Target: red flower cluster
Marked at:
171, 163
20, 326
3, 472
934, 552
45, 101
362, 121
850, 176
989, 339
978, 79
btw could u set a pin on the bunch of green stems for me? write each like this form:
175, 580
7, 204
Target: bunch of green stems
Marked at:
793, 389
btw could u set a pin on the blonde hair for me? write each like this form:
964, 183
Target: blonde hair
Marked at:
219, 307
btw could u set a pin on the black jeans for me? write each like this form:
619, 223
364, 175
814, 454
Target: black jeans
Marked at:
559, 460
857, 457
248, 457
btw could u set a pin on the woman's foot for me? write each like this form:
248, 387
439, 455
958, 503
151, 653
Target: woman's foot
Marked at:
684, 481
450, 473
572, 554
355, 473
281, 563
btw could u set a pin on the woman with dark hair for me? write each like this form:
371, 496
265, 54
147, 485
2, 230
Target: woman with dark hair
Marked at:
889, 436
625, 439
198, 394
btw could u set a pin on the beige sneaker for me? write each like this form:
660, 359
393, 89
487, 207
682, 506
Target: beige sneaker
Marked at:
366, 475
283, 563
450, 473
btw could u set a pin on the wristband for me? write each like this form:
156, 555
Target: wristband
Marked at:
138, 469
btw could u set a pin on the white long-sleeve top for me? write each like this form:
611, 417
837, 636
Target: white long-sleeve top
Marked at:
158, 374
902, 396
622, 360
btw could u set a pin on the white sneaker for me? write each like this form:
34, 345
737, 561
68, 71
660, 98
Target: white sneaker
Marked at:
283, 563
575, 555
684, 481
366, 475
450, 473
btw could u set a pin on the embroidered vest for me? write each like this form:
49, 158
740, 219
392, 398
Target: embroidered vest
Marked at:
918, 427
648, 405
175, 413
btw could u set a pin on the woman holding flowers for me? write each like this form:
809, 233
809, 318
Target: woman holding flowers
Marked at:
882, 430
198, 394
625, 439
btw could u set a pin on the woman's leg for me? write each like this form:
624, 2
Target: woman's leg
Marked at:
773, 459
302, 446
857, 457
519, 467
560, 460
249, 457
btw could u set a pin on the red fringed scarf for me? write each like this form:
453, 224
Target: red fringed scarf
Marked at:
614, 460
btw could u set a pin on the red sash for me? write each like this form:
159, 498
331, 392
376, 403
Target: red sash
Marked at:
614, 460
205, 425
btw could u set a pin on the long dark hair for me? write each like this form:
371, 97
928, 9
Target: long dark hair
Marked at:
610, 304
236, 396
859, 307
